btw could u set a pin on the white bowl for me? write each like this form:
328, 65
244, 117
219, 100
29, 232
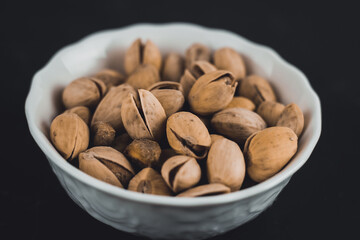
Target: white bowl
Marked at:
157, 216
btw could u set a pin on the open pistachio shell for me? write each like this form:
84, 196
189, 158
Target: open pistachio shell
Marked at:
228, 59
211, 189
292, 117
173, 67
199, 68
187, 81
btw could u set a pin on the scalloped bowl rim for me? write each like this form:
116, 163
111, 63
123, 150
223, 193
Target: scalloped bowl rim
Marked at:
286, 173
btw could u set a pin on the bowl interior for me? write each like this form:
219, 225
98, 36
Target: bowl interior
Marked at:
106, 49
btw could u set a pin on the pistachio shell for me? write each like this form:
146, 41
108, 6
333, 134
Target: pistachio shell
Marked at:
110, 78
103, 134
199, 68
187, 81
143, 77
292, 117
196, 52
225, 164
241, 102
143, 153
268, 151
173, 67
228, 59
181, 172
270, 111
257, 89
237, 123
149, 181
109, 109
212, 92
69, 134
121, 142
211, 189
82, 111
138, 54
187, 135
215, 137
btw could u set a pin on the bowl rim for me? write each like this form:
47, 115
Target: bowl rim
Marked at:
55, 158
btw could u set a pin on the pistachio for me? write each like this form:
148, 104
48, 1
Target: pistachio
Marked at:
103, 134
292, 117
139, 54
268, 151
169, 94
143, 153
149, 181
82, 111
228, 59
121, 142
111, 78
109, 109
106, 164
173, 67
187, 135
237, 123
199, 68
69, 134
211, 189
212, 92
241, 102
270, 111
256, 89
181, 172
196, 52
187, 81
226, 164
215, 137
83, 92
144, 118
143, 77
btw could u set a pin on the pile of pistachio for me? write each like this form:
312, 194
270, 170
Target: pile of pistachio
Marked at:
186, 126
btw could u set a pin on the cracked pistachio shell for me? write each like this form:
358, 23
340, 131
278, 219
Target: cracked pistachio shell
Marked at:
181, 172
111, 78
199, 68
257, 89
138, 54
169, 94
82, 111
187, 81
211, 189
187, 135
196, 52
69, 134
143, 77
241, 102
83, 92
149, 181
109, 109
237, 123
102, 134
292, 117
228, 59
268, 151
173, 67
106, 164
270, 111
212, 92
143, 153
143, 118
226, 164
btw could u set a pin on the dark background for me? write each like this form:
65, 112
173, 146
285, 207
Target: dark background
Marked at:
322, 40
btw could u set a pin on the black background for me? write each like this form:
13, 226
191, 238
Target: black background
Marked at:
322, 40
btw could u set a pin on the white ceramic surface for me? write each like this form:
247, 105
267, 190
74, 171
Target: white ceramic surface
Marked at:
156, 216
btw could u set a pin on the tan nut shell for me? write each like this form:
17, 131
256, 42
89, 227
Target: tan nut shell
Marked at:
187, 81
181, 172
292, 117
143, 77
109, 109
237, 123
226, 164
196, 52
270, 111
268, 151
111, 78
82, 111
242, 102
138, 54
199, 68
228, 59
69, 134
215, 137
173, 67
149, 181
150, 123
187, 135
257, 89
106, 164
212, 92
205, 190
102, 134
143, 153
